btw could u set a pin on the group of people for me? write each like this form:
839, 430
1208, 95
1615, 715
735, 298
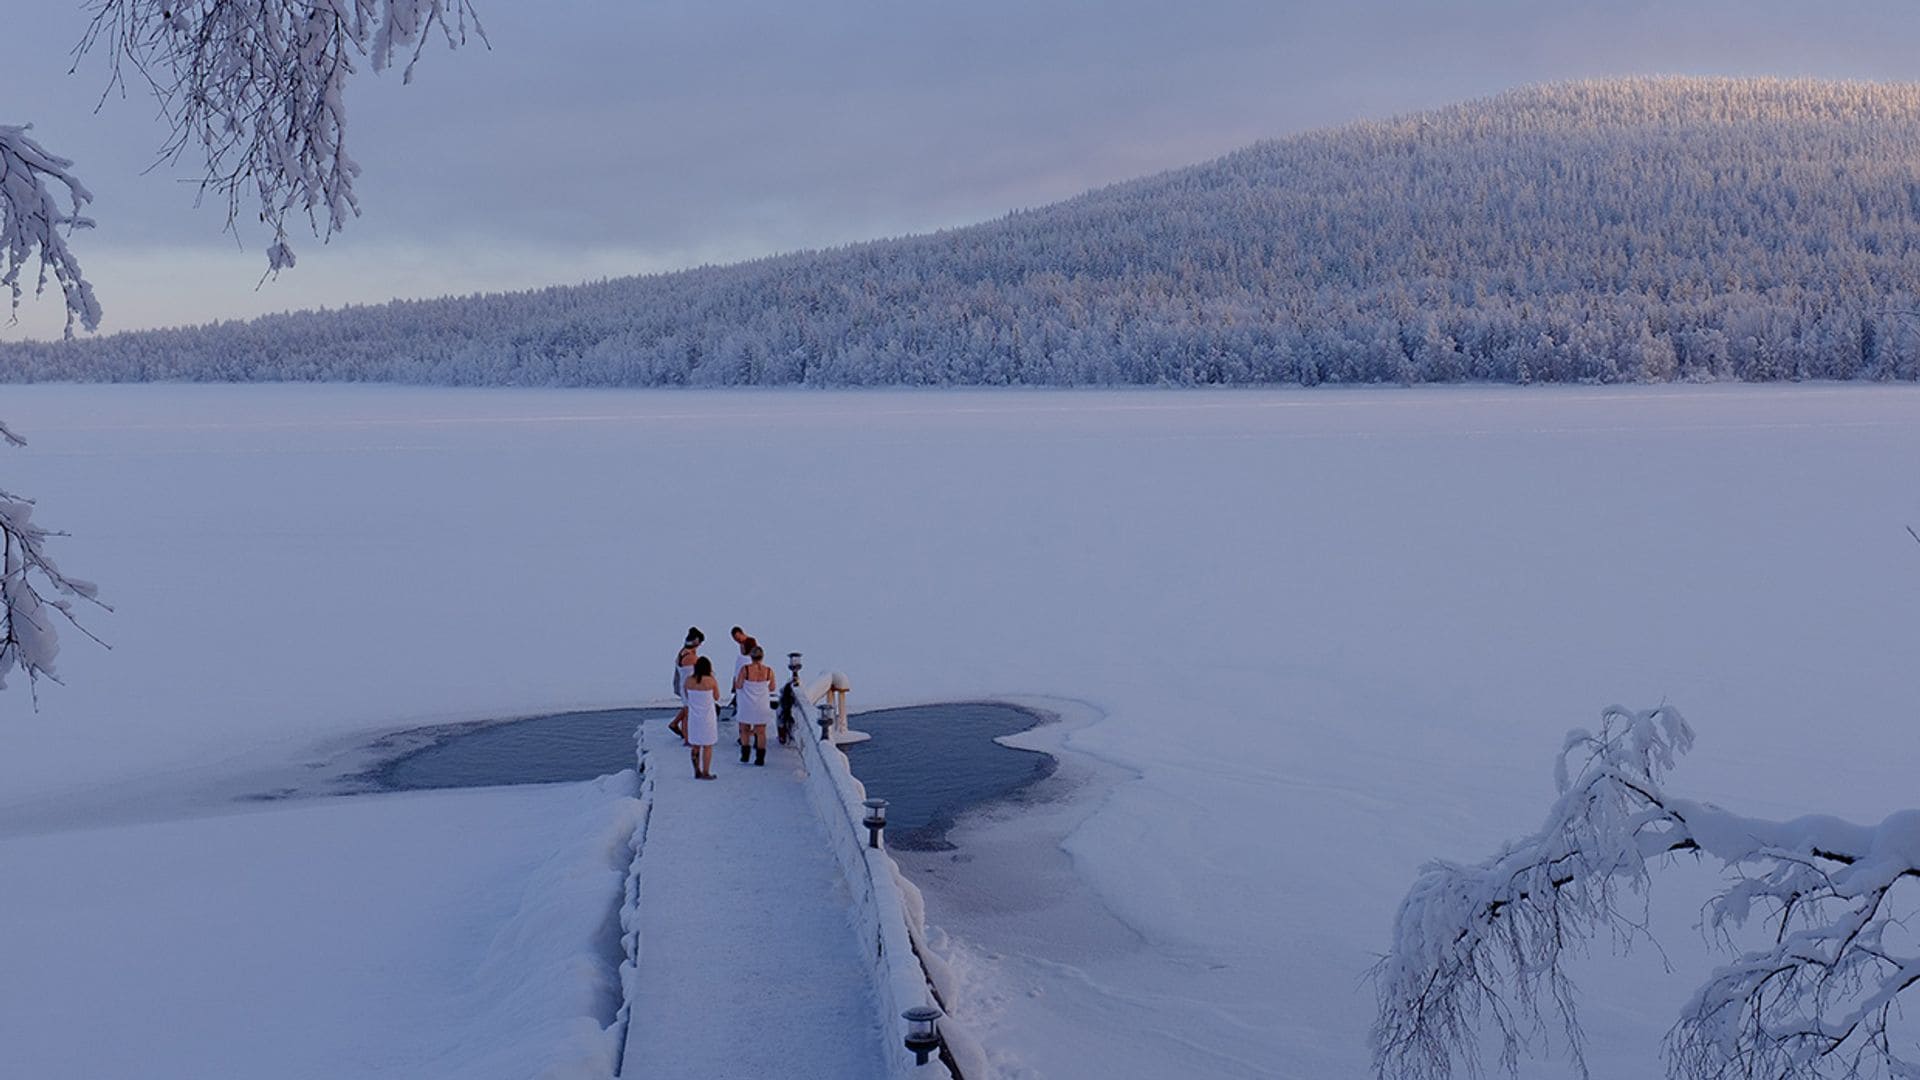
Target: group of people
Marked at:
698, 721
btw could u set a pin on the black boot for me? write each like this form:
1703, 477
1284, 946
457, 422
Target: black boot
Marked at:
744, 749
760, 755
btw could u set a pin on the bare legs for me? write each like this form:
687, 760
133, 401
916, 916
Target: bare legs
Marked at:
752, 741
678, 725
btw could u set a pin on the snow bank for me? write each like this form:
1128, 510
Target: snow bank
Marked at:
418, 936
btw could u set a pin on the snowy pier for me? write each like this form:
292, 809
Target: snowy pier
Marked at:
764, 936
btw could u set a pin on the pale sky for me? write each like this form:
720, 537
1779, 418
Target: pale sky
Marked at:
605, 137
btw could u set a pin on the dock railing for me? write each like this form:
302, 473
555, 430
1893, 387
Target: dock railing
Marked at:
887, 909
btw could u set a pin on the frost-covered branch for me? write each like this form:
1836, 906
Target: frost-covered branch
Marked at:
1824, 999
1486, 945
34, 224
34, 594
33, 591
257, 89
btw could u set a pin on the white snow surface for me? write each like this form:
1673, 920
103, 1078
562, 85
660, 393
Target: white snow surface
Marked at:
413, 936
1319, 637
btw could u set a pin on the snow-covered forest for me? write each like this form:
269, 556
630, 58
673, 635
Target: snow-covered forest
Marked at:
1642, 229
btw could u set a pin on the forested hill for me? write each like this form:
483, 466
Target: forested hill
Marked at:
1601, 231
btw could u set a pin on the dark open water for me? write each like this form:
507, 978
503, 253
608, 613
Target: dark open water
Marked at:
930, 762
536, 750
933, 762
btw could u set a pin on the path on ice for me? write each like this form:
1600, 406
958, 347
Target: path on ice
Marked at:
749, 966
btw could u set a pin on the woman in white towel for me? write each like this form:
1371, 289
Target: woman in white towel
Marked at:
682, 671
752, 703
702, 696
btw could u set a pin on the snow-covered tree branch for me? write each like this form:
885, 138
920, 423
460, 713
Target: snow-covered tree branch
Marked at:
32, 222
257, 88
33, 591
34, 594
1486, 945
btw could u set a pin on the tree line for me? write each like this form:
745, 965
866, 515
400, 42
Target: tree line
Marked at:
1610, 231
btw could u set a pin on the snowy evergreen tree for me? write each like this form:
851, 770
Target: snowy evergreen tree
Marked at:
1626, 230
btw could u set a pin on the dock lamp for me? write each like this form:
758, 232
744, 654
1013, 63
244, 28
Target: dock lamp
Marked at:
875, 820
923, 1031
793, 665
825, 717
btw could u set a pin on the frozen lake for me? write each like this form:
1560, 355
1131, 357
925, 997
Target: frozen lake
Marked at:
1310, 638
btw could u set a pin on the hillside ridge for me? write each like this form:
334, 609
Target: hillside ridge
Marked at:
1601, 230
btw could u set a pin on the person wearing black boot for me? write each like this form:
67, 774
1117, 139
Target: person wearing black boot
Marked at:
753, 703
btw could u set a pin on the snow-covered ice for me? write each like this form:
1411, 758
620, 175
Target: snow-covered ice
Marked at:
1319, 636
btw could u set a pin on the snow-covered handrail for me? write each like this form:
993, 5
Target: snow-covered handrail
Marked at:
887, 908
630, 901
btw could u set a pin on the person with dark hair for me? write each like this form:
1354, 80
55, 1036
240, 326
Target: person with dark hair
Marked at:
682, 671
740, 638
702, 697
752, 704
740, 663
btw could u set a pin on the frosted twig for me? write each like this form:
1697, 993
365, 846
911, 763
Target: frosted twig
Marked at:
33, 591
33, 223
257, 90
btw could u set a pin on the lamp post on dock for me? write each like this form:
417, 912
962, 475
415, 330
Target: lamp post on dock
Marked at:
923, 1031
875, 820
825, 716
